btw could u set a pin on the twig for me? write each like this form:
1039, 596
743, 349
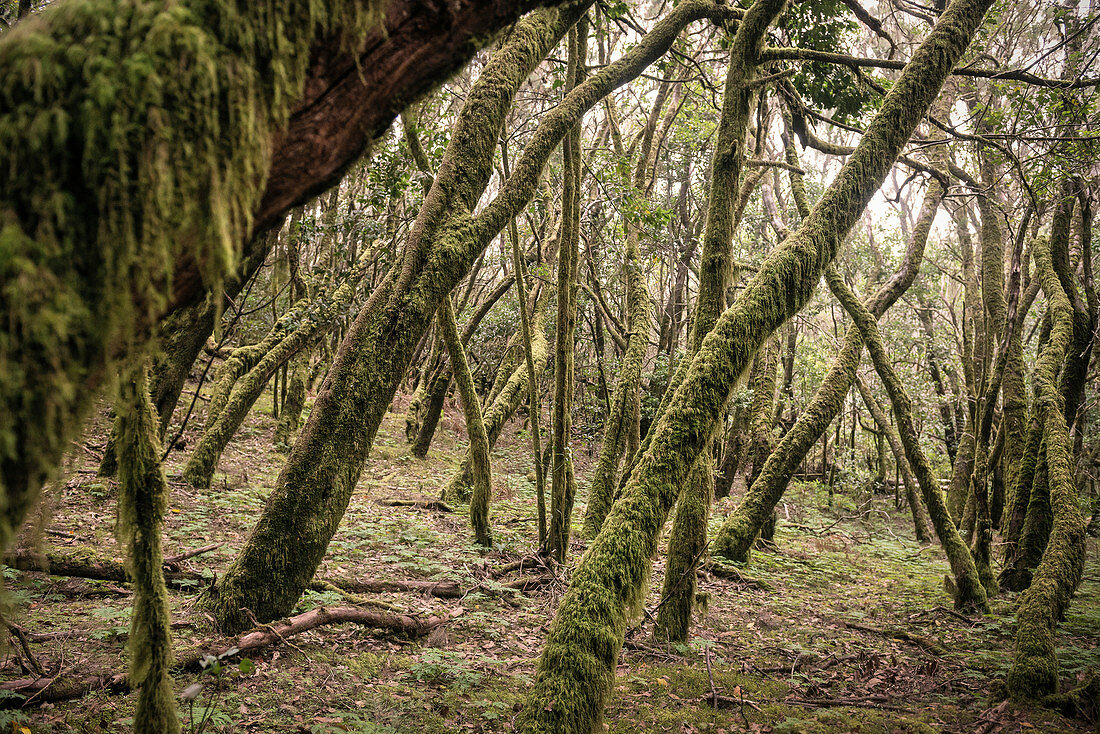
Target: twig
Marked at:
173, 560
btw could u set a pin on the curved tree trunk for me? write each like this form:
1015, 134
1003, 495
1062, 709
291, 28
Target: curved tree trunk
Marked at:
577, 668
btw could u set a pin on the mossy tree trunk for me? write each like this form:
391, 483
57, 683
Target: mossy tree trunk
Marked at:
577, 667
315, 485
562, 489
969, 591
725, 198
480, 462
142, 504
1034, 672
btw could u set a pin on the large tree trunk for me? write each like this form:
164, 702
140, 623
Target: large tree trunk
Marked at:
577, 668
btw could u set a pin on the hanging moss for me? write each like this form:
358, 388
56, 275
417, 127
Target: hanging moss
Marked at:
142, 504
95, 208
577, 667
1034, 672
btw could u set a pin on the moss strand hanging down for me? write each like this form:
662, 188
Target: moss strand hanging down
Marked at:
577, 668
969, 591
96, 209
1034, 671
142, 504
480, 463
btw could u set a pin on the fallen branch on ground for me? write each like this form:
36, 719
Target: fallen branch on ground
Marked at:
726, 571
439, 505
66, 687
922, 642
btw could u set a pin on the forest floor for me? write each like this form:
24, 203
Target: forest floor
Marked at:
811, 640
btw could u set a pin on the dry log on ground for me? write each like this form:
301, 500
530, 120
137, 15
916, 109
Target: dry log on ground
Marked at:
67, 687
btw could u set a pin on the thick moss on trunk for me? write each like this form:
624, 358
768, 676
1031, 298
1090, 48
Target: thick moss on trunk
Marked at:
969, 591
96, 208
1034, 672
142, 503
577, 667
480, 463
312, 319
916, 507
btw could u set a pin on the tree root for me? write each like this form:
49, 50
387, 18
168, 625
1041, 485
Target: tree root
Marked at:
67, 687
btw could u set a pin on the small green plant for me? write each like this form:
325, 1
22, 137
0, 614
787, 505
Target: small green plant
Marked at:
115, 622
217, 670
446, 668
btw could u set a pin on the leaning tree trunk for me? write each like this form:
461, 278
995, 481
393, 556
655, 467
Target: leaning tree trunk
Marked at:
920, 522
480, 463
576, 671
969, 591
739, 531
687, 541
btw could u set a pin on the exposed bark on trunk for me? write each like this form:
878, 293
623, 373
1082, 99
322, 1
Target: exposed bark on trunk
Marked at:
577, 668
969, 591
